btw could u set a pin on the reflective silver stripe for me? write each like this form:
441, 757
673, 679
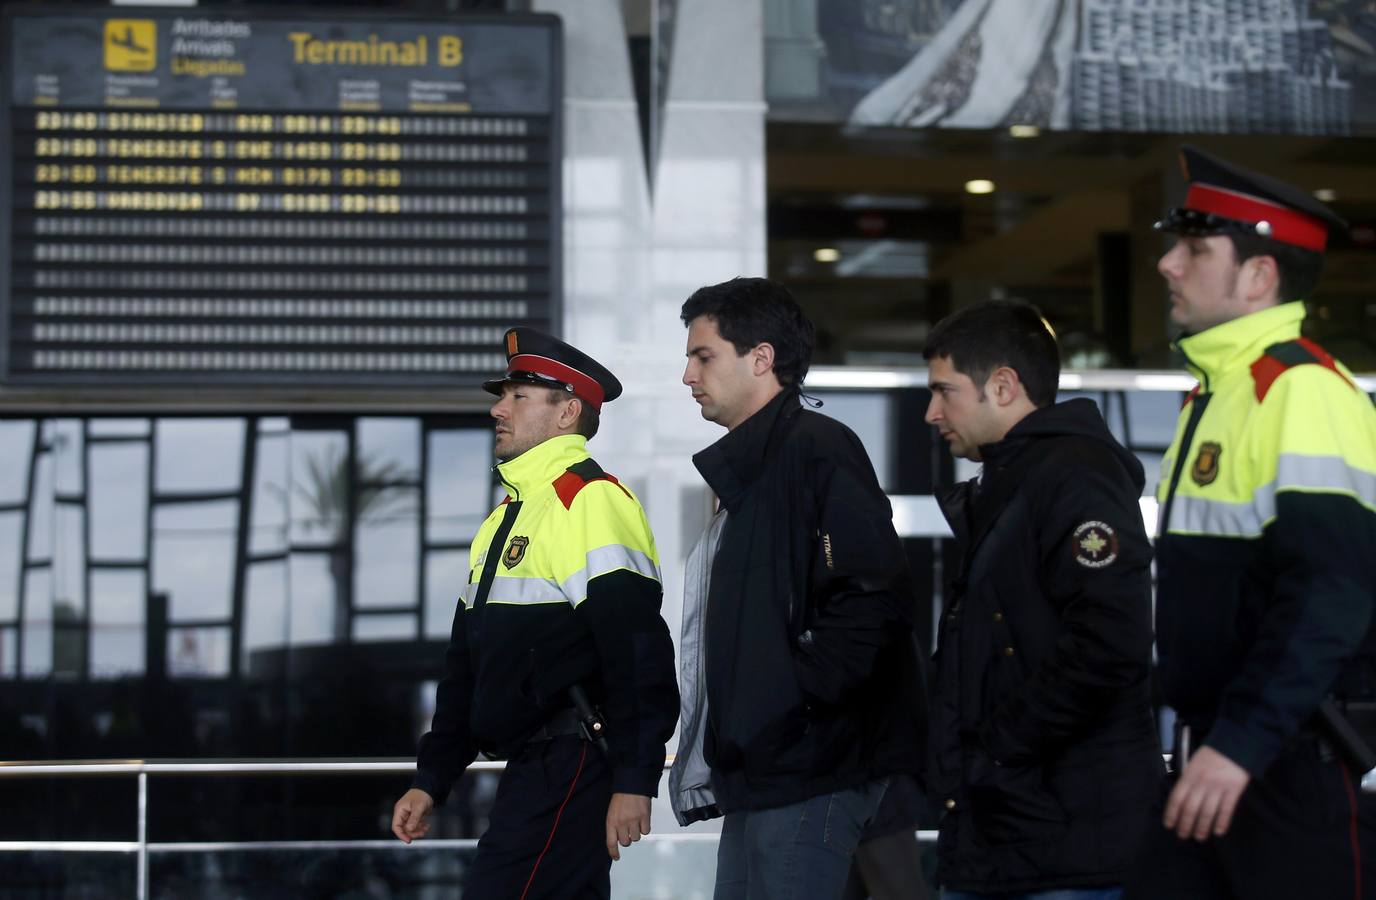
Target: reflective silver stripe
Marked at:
1330, 474
525, 591
1294, 472
606, 559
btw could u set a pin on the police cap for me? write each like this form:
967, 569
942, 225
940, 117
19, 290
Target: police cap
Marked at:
534, 357
1225, 198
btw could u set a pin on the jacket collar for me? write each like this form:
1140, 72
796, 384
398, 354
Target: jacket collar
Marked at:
1216, 353
541, 464
735, 462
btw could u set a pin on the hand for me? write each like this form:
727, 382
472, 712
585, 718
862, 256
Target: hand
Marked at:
1205, 797
628, 817
411, 815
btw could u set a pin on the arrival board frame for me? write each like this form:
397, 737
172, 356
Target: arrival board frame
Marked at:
233, 196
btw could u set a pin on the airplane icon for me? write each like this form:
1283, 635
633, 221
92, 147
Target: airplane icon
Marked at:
127, 41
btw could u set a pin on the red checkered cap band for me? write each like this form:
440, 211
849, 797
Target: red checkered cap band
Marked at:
584, 388
1289, 226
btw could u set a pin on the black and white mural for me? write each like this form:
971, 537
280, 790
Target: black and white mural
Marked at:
1216, 66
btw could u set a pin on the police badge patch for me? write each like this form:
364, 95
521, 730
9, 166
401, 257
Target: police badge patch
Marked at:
1094, 544
515, 552
1205, 469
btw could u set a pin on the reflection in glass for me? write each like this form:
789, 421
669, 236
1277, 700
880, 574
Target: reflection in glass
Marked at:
459, 484
68, 448
193, 558
16, 449
389, 447
119, 501
386, 550
118, 602
38, 624
268, 527
319, 496
198, 455
265, 609
394, 626
69, 557
41, 510
198, 652
313, 608
11, 527
446, 573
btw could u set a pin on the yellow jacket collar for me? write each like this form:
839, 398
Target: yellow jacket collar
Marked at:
542, 464
1217, 352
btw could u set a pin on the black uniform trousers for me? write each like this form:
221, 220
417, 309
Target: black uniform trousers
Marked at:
547, 833
1303, 829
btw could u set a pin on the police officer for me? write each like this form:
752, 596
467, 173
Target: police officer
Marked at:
1265, 549
559, 660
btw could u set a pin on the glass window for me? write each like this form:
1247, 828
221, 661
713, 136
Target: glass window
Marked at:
68, 453
388, 449
319, 488
446, 574
459, 487
869, 416
16, 449
69, 556
386, 548
193, 558
199, 455
392, 627
198, 652
41, 511
1152, 416
119, 428
316, 580
38, 624
119, 501
265, 610
11, 527
268, 531
8, 649
119, 600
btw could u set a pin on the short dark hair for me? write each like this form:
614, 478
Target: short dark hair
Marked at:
754, 311
979, 339
589, 417
1299, 268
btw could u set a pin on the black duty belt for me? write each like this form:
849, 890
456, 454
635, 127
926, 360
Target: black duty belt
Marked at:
564, 722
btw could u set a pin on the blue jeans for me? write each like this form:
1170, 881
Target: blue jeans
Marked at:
796, 852
1113, 893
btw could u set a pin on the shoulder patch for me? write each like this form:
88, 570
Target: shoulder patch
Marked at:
1286, 355
578, 476
1094, 544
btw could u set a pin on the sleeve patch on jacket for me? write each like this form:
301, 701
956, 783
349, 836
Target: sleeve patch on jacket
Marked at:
1094, 544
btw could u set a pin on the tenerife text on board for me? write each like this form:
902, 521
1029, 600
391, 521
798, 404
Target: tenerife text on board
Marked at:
310, 50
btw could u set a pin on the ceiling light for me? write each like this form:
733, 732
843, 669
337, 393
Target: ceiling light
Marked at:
826, 254
979, 186
1325, 195
1024, 131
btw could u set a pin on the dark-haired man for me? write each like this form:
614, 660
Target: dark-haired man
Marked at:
1266, 591
801, 679
559, 661
1044, 755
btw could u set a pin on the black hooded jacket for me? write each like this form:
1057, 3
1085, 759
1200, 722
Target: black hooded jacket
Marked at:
1045, 760
812, 673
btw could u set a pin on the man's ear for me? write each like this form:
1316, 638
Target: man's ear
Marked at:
761, 358
570, 408
1261, 277
1004, 385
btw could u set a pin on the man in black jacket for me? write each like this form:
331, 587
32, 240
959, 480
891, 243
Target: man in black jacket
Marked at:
1044, 758
802, 690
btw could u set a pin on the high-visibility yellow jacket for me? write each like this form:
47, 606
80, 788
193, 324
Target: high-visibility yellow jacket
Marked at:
1266, 549
563, 589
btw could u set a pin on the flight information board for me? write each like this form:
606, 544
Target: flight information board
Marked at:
197, 197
